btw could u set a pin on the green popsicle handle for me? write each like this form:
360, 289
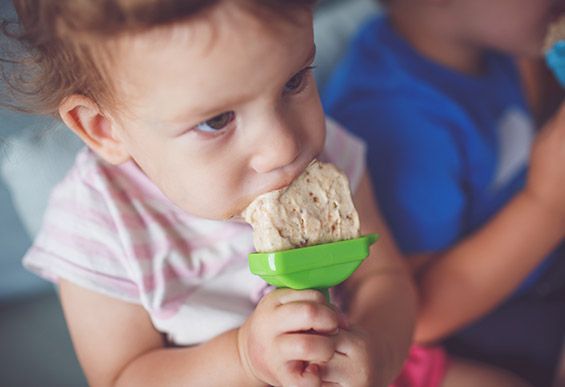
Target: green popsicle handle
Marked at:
313, 267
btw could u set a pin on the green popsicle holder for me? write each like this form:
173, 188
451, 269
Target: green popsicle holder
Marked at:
313, 267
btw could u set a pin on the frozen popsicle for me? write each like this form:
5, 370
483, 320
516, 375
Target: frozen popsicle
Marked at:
316, 208
307, 234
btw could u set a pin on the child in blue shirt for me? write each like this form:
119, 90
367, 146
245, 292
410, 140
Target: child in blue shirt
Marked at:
433, 87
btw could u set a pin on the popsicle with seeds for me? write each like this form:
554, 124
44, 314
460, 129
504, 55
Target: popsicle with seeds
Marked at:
307, 234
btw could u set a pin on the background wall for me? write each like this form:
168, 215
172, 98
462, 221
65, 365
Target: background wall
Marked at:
14, 241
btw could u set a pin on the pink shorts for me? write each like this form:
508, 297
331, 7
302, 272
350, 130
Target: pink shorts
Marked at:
424, 367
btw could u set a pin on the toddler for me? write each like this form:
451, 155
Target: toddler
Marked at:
433, 87
191, 109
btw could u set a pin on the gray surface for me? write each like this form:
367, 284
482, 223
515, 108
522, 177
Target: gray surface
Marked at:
14, 240
333, 27
14, 281
35, 347
45, 153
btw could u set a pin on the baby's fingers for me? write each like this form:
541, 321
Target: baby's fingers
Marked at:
350, 366
287, 296
303, 316
337, 370
311, 348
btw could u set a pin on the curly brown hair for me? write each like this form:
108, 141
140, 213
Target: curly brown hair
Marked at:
59, 44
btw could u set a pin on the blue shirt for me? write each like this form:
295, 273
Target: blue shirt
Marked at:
446, 150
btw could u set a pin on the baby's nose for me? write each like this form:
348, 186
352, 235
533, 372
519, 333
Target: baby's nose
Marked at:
278, 147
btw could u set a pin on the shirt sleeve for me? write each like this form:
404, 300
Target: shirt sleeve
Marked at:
79, 242
416, 169
346, 151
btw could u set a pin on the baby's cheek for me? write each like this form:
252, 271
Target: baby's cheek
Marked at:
222, 201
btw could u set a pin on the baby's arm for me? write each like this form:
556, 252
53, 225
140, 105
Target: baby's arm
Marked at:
474, 276
117, 345
381, 296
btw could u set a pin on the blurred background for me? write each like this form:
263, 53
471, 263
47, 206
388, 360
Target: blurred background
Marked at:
35, 152
35, 348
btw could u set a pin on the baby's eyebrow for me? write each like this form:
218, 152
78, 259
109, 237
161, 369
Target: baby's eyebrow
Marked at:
216, 110
203, 113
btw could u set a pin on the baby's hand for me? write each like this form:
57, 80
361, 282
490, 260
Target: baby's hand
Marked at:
351, 364
288, 334
546, 179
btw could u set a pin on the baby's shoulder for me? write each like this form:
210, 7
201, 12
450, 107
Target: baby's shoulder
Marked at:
125, 184
88, 171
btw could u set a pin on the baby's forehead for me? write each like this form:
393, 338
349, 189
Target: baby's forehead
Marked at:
225, 22
215, 58
75, 45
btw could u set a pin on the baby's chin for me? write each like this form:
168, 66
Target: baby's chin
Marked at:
232, 214
212, 213
236, 219
235, 215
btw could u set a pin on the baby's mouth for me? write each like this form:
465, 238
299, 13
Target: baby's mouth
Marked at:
292, 172
237, 218
282, 184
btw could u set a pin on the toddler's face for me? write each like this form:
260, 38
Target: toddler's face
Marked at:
517, 27
220, 110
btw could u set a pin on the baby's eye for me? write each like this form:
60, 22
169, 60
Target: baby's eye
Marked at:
217, 123
297, 82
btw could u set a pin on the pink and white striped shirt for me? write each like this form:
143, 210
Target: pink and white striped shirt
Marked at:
109, 229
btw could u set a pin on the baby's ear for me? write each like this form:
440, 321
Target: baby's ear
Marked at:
83, 116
